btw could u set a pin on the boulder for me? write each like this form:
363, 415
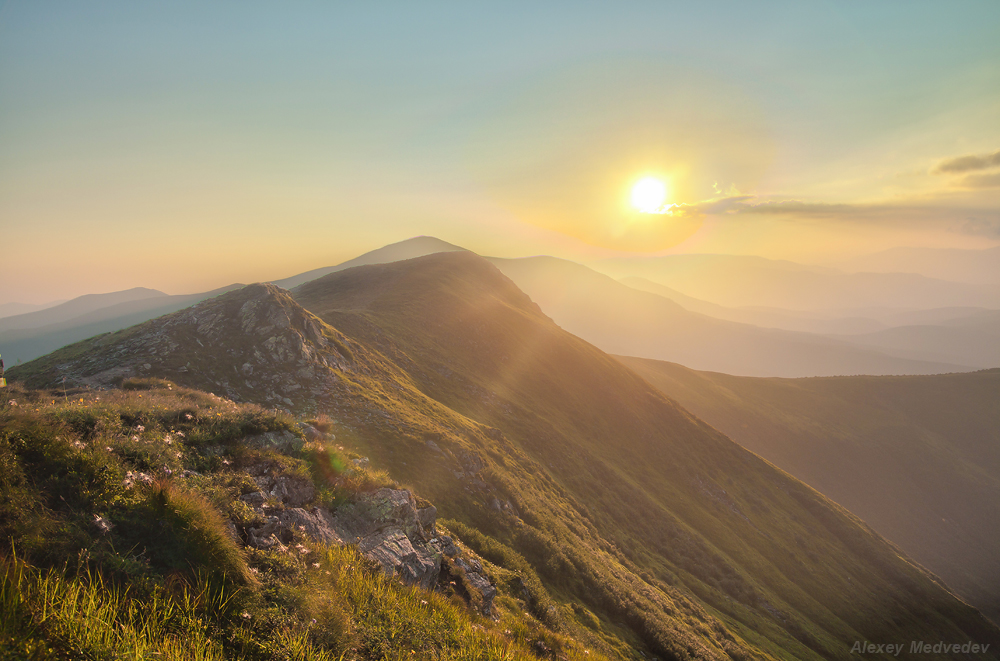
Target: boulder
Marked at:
396, 554
383, 509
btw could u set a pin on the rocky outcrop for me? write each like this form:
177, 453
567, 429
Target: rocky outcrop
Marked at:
387, 526
254, 344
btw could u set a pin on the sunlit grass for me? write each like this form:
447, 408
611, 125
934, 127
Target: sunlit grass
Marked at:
118, 509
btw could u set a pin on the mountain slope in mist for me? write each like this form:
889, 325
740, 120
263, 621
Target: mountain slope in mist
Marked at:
626, 321
739, 281
973, 266
96, 314
77, 307
970, 340
918, 457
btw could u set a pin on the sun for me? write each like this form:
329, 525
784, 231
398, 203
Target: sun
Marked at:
649, 194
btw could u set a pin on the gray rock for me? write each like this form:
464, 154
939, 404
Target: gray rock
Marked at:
255, 499
479, 583
427, 516
312, 433
379, 510
396, 554
317, 524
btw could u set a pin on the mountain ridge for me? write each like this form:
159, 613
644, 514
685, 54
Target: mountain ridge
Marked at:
620, 498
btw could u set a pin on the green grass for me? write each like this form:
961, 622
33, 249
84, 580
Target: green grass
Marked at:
46, 615
110, 557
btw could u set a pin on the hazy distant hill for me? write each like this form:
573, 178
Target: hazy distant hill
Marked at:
679, 541
77, 307
917, 457
969, 340
975, 266
11, 309
24, 343
833, 321
418, 246
738, 281
623, 320
963, 336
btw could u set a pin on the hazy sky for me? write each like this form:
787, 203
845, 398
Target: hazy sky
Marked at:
187, 146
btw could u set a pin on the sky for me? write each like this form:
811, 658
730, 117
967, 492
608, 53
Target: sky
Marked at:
186, 146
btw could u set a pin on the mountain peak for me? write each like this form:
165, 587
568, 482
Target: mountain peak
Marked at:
417, 246
251, 344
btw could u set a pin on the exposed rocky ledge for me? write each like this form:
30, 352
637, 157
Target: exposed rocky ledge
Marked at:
386, 525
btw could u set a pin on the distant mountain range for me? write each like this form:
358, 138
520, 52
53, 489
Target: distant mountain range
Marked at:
888, 327
973, 266
27, 336
917, 457
11, 309
745, 281
623, 320
833, 321
77, 307
416, 247
681, 543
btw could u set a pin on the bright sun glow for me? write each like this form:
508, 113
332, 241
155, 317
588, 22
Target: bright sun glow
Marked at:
649, 194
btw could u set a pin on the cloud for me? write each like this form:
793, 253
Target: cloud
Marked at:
788, 207
968, 163
980, 180
713, 206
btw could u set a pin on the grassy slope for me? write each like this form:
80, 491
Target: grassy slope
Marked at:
917, 457
610, 460
164, 578
676, 538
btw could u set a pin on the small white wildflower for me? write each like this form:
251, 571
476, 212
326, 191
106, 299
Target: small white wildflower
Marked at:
181, 434
140, 428
102, 524
315, 565
108, 448
79, 445
135, 438
245, 615
226, 462
180, 454
13, 402
187, 416
168, 440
